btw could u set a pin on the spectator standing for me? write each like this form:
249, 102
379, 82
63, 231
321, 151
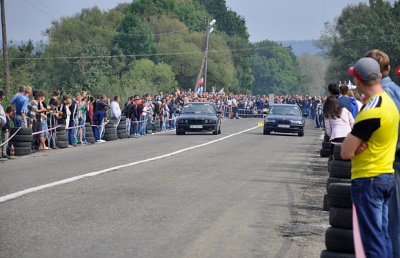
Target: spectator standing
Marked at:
3, 124
318, 114
33, 121
372, 180
5, 129
338, 121
344, 92
134, 114
393, 91
99, 117
20, 101
115, 111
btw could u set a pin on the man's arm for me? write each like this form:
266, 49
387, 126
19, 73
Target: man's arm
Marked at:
349, 146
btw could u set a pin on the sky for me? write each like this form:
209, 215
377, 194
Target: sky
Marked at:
265, 19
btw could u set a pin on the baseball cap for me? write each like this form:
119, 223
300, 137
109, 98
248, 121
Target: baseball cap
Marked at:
366, 69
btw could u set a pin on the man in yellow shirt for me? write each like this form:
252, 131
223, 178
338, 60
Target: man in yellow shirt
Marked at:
372, 170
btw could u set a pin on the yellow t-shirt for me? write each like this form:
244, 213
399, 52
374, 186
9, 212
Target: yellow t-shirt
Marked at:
377, 124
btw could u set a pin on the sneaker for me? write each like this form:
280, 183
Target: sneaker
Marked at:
135, 136
6, 156
70, 146
97, 141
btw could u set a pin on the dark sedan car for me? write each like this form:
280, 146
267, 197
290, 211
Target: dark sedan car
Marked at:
198, 117
284, 118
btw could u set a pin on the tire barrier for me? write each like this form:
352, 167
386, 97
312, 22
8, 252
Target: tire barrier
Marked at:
61, 137
110, 132
22, 141
326, 147
339, 237
89, 136
121, 129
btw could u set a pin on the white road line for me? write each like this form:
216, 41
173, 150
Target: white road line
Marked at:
96, 173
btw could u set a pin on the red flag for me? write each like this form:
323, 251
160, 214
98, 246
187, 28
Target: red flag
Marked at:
397, 71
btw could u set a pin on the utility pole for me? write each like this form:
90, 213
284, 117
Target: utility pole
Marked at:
5, 49
204, 63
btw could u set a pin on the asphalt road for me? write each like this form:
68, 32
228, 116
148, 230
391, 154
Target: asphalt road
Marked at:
162, 195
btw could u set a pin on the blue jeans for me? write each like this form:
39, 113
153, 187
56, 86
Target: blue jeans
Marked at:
71, 138
135, 125
18, 121
371, 199
394, 212
143, 125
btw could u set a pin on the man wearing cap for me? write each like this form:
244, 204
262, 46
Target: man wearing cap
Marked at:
372, 179
393, 91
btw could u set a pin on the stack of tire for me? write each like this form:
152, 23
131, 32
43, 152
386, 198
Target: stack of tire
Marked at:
325, 150
121, 129
61, 137
339, 237
22, 141
89, 133
110, 132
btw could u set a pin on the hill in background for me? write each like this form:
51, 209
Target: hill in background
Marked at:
301, 47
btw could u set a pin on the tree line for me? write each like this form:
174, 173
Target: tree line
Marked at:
149, 45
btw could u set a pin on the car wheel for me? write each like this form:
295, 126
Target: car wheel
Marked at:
219, 130
215, 132
266, 132
179, 133
301, 133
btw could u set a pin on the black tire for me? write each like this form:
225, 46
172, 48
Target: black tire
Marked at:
22, 131
87, 124
109, 125
20, 151
324, 153
339, 195
121, 127
19, 144
89, 134
179, 133
330, 254
22, 138
60, 128
62, 144
326, 145
110, 137
332, 180
215, 131
340, 169
330, 157
326, 138
63, 132
301, 134
123, 136
122, 131
339, 240
326, 206
90, 139
336, 152
219, 129
62, 137
341, 218
266, 132
123, 118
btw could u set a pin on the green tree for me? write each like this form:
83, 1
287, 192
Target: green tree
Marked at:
275, 69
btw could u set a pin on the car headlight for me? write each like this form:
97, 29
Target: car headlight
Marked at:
270, 121
296, 122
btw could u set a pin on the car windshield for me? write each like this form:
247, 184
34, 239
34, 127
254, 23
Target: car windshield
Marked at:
285, 111
198, 109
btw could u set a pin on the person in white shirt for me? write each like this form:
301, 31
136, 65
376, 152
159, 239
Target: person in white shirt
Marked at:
115, 111
338, 121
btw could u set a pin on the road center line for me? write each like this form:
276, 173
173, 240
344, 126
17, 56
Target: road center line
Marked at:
100, 172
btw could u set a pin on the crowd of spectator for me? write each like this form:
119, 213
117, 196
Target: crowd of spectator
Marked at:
29, 108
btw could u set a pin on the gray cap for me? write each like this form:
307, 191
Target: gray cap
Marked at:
366, 69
